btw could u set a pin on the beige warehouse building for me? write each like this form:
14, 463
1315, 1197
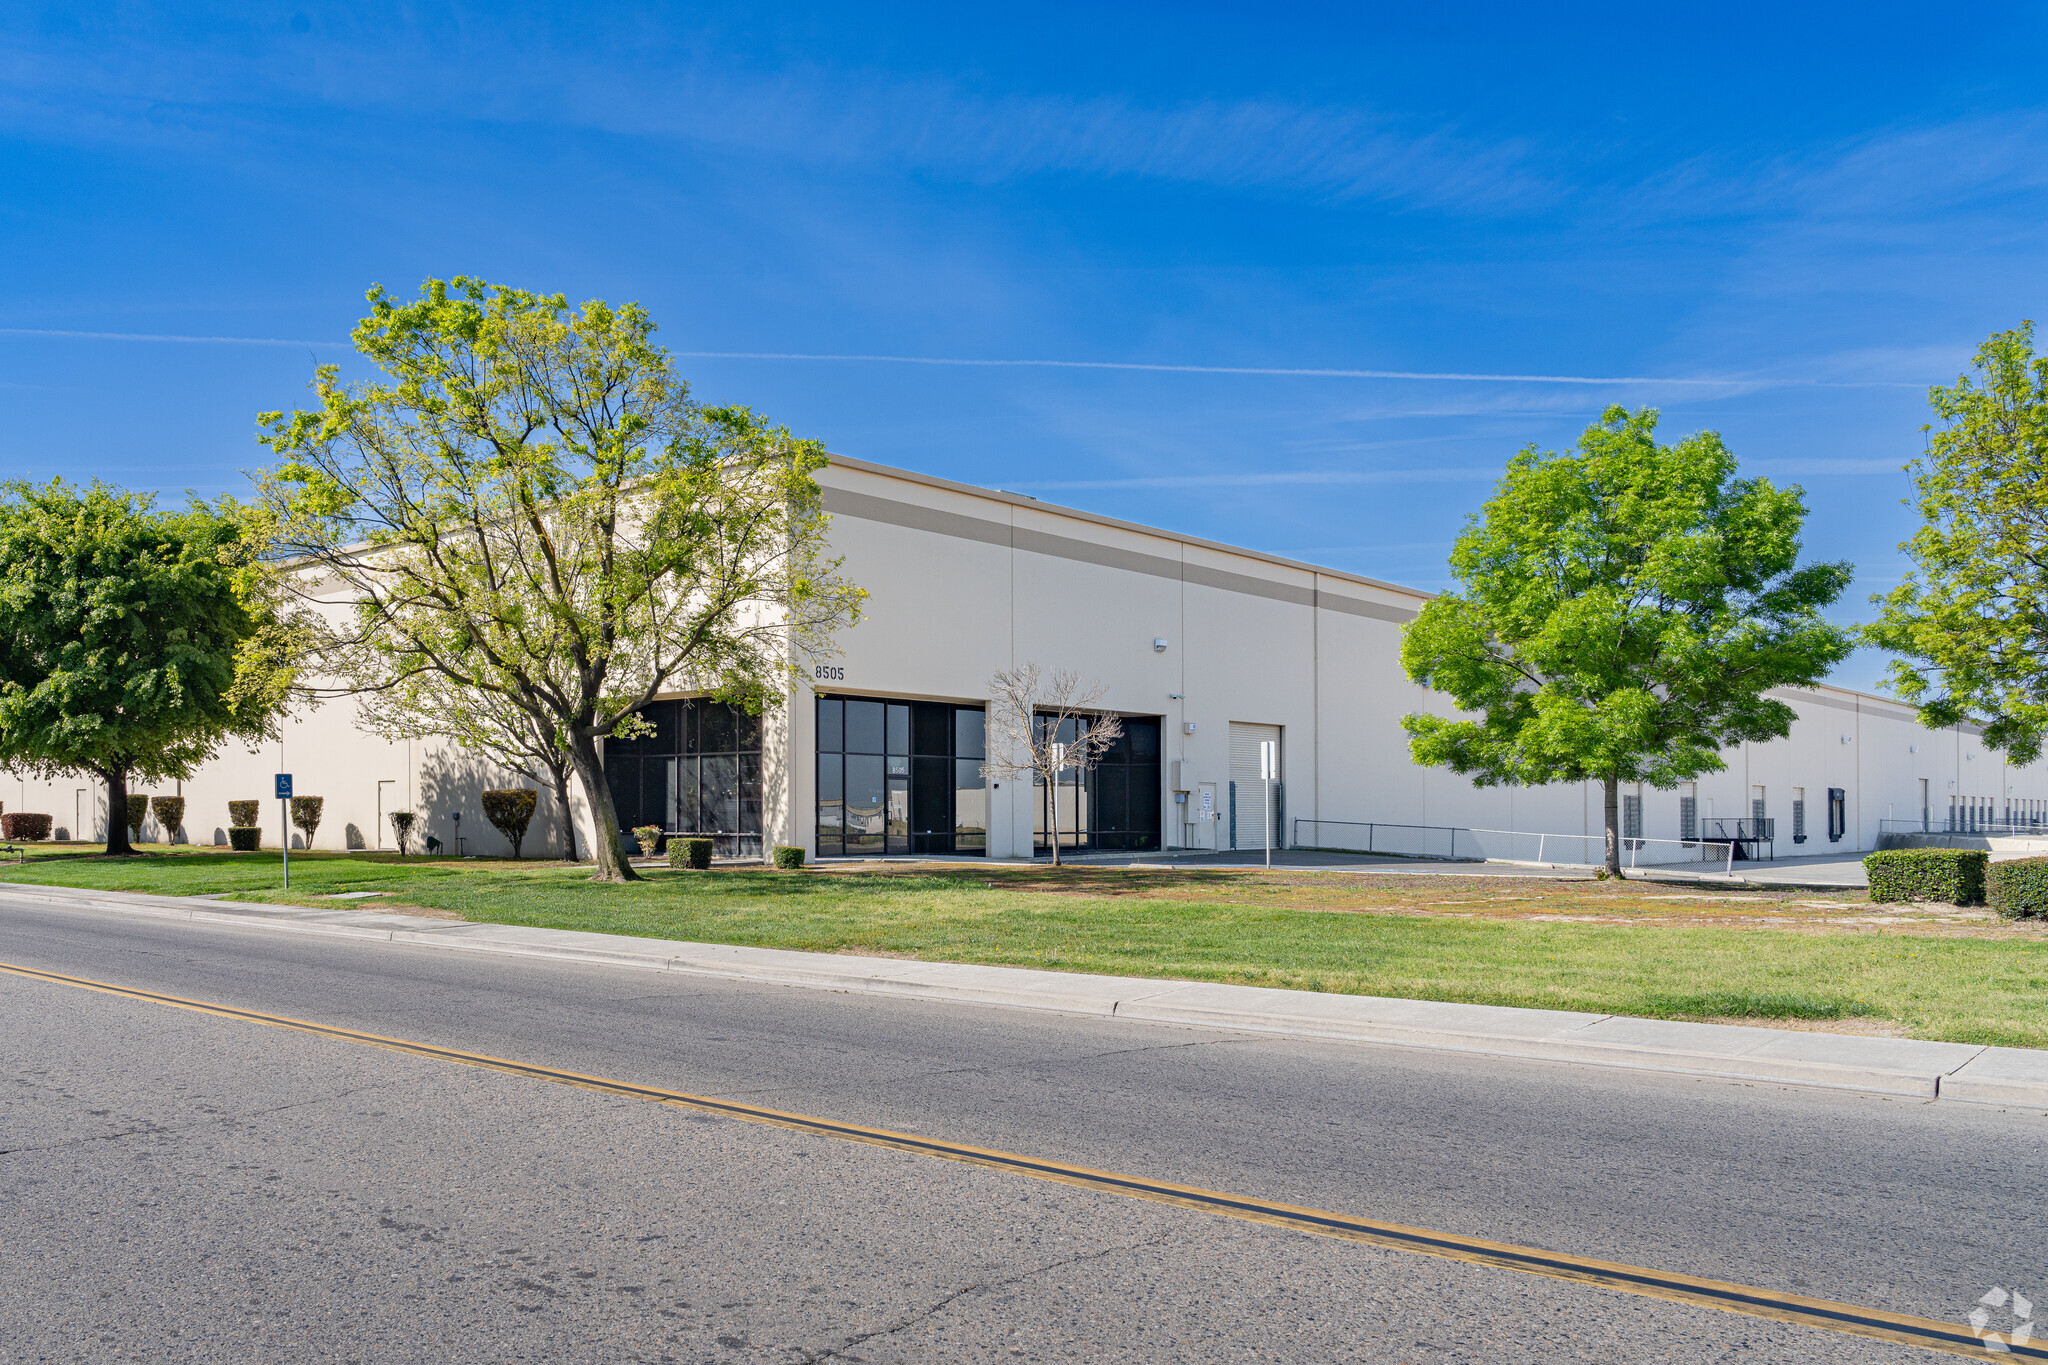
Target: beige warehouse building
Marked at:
1205, 650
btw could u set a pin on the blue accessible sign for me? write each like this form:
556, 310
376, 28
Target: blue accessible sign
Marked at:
284, 786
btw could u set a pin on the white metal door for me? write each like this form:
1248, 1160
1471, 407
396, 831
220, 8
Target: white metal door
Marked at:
1244, 774
1206, 814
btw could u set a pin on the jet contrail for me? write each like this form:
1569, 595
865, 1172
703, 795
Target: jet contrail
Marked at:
1274, 370
1297, 371
152, 336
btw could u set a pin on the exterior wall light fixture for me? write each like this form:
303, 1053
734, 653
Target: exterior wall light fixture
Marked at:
1159, 644
1187, 727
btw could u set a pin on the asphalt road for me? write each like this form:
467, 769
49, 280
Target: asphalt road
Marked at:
181, 1187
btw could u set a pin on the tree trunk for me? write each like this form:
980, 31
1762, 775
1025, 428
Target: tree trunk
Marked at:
116, 777
561, 775
612, 865
1613, 801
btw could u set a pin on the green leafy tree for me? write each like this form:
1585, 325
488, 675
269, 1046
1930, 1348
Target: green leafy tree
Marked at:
133, 640
528, 502
1622, 609
1970, 623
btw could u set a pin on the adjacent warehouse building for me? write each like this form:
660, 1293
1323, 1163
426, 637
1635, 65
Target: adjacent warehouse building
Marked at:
1205, 651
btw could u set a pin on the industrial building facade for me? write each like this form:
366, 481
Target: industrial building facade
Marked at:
1205, 652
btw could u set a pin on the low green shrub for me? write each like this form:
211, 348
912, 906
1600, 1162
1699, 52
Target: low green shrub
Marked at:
170, 813
1954, 875
647, 836
138, 811
788, 857
24, 826
2018, 889
694, 853
306, 814
510, 811
245, 838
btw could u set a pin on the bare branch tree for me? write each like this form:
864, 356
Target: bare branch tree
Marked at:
1030, 710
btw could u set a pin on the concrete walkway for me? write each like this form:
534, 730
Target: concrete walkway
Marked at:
1892, 1066
1833, 871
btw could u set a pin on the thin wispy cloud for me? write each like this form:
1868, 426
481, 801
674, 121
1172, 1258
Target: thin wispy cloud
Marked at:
1305, 371
1813, 467
119, 81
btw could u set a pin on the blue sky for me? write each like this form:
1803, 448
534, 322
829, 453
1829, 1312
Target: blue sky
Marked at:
1784, 221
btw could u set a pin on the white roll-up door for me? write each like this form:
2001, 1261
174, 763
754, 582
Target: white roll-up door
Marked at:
1244, 775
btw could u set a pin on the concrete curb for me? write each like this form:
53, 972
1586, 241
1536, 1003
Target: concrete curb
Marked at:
1888, 1066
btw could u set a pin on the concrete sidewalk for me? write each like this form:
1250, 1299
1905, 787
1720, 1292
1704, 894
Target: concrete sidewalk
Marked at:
1891, 1066
1826, 871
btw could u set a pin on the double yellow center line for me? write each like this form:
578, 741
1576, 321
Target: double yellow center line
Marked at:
1656, 1284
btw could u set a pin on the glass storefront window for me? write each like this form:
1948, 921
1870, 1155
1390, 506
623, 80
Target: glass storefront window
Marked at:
899, 777
969, 733
970, 807
865, 788
1113, 806
864, 727
699, 772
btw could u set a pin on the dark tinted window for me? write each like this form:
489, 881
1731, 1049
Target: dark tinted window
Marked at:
931, 729
968, 732
863, 727
1142, 738
716, 731
831, 725
899, 728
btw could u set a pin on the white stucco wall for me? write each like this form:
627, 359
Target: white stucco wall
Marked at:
964, 582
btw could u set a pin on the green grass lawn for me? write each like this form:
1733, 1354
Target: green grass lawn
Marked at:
1216, 926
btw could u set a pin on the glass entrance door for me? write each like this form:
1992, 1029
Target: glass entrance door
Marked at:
897, 824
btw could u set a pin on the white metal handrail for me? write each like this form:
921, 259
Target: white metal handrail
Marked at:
1691, 850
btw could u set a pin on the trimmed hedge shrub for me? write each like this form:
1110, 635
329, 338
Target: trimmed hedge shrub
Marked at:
510, 811
2018, 889
245, 838
23, 826
1954, 875
694, 853
401, 829
306, 814
170, 813
647, 836
788, 857
243, 813
138, 811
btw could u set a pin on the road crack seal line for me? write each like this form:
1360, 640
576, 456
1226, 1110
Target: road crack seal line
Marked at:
1749, 1300
926, 1314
